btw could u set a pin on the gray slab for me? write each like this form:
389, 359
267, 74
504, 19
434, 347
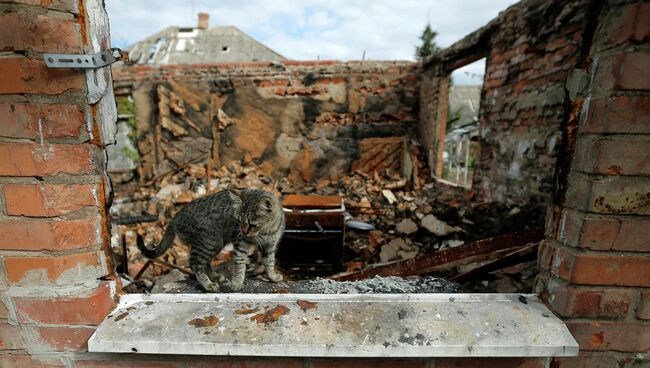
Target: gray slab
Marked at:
339, 325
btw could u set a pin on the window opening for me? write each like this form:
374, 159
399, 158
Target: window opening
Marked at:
461, 142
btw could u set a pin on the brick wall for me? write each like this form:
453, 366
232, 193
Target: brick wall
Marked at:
54, 271
56, 280
309, 117
596, 259
529, 51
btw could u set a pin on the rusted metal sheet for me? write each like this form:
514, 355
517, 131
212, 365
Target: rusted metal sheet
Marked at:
470, 252
300, 201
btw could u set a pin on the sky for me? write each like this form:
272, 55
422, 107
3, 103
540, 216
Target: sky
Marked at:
323, 29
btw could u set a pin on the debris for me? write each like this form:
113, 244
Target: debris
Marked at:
247, 311
306, 305
359, 225
437, 227
450, 243
208, 321
390, 197
365, 203
271, 315
389, 251
436, 261
168, 282
384, 209
406, 226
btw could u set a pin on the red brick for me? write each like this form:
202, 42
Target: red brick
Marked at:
63, 338
40, 33
603, 336
617, 114
22, 75
361, 362
571, 301
20, 159
604, 233
585, 361
4, 313
42, 235
89, 309
245, 362
21, 120
48, 199
625, 71
613, 270
61, 5
117, 363
643, 310
631, 23
613, 156
11, 337
490, 362
609, 195
53, 267
22, 361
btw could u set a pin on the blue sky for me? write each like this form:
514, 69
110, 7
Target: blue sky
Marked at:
310, 29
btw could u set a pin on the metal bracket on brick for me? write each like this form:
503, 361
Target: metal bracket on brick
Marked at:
89, 61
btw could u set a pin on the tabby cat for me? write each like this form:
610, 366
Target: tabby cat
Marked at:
209, 223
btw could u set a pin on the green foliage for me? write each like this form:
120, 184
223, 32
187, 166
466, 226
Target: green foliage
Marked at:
126, 106
428, 46
131, 153
452, 118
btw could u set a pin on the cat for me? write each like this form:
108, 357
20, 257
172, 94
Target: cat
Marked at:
207, 224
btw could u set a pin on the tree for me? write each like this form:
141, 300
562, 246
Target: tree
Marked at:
428, 46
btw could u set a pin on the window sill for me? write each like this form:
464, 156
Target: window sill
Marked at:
340, 325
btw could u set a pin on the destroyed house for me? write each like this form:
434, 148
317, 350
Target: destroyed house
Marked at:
200, 45
540, 259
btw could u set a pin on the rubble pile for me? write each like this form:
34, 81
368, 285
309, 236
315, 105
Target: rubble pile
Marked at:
408, 219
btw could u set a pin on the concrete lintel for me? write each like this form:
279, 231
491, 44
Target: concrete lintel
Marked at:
339, 325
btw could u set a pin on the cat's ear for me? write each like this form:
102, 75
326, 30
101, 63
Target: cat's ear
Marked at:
238, 192
266, 203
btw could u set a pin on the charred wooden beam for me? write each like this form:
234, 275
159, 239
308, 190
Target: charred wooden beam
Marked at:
527, 253
467, 253
131, 220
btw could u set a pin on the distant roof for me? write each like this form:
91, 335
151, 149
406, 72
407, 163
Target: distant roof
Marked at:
193, 45
464, 100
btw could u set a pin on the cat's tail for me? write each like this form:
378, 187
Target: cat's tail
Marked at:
167, 241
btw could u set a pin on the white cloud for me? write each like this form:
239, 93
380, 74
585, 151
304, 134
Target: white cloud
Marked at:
329, 29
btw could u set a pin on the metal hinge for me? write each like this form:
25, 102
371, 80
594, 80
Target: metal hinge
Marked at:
90, 61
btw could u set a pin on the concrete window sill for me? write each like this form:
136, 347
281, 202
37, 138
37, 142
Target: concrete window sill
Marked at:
340, 325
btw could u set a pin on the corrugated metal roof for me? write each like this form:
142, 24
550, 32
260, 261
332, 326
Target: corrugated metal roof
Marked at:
464, 100
175, 45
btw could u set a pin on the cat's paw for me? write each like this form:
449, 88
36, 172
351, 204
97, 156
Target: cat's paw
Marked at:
211, 288
235, 286
274, 276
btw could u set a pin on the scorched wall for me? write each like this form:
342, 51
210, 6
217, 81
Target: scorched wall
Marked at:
302, 119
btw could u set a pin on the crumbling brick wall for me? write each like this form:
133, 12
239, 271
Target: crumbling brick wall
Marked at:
55, 282
302, 119
529, 51
595, 262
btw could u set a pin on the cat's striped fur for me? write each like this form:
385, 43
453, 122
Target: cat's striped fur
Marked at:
208, 223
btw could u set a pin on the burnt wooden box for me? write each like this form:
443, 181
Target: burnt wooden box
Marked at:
313, 239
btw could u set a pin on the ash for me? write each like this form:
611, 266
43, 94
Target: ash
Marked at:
177, 282
383, 285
